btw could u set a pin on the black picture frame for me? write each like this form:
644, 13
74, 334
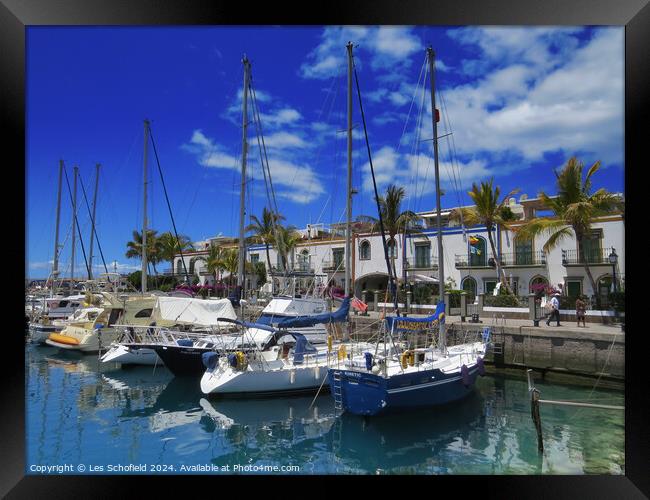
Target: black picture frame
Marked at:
15, 15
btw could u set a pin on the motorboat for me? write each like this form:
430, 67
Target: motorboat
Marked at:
96, 328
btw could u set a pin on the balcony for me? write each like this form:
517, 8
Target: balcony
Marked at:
334, 266
422, 264
595, 257
523, 259
510, 259
299, 268
467, 261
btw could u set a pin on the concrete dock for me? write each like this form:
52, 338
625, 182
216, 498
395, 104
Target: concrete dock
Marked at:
597, 350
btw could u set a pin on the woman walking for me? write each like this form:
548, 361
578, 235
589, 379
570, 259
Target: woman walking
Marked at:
581, 310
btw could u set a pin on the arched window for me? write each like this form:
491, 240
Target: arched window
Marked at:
303, 260
469, 285
364, 250
537, 285
392, 249
477, 251
179, 266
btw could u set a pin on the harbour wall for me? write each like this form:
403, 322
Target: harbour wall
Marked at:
561, 350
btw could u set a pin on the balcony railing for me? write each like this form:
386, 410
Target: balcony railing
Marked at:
464, 260
414, 263
333, 266
510, 259
300, 267
514, 259
597, 256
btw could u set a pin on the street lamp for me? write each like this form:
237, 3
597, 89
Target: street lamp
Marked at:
613, 260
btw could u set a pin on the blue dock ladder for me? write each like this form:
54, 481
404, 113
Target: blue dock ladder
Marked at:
336, 390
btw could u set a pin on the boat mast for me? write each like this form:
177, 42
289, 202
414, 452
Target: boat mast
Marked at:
348, 224
55, 267
242, 195
144, 222
74, 226
92, 225
441, 269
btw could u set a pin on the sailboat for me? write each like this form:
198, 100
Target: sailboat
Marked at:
297, 365
399, 378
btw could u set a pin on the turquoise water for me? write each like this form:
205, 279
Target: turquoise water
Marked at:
81, 413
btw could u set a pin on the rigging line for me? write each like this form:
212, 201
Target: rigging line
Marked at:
451, 157
374, 183
171, 215
269, 188
453, 145
94, 229
264, 160
81, 241
416, 145
424, 67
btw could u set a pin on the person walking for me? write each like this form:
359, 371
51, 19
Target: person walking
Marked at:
555, 310
581, 310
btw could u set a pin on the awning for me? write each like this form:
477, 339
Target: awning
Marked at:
423, 279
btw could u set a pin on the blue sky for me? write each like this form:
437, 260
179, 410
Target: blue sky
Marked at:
517, 101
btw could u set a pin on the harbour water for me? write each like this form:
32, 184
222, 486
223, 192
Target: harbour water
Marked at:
109, 419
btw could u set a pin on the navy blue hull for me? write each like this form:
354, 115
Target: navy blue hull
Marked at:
369, 394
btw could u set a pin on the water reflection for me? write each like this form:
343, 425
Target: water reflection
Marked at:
83, 411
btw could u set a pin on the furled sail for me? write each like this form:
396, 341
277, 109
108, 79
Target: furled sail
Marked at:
337, 316
402, 324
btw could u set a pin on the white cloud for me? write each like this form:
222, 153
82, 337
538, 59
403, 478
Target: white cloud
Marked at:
544, 99
282, 140
292, 178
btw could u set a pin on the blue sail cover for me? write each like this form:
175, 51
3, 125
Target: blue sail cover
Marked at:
302, 321
401, 324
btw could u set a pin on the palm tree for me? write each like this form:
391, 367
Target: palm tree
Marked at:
395, 221
170, 245
264, 230
231, 263
488, 211
286, 241
153, 247
574, 209
215, 261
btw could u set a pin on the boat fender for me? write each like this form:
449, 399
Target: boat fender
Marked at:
481, 366
99, 326
329, 343
232, 360
242, 362
369, 362
210, 359
411, 358
292, 377
185, 342
342, 352
464, 372
404, 359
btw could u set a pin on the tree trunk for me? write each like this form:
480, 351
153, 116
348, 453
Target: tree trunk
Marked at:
585, 263
268, 258
501, 274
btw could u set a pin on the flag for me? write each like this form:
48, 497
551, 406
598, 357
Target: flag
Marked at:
473, 240
358, 305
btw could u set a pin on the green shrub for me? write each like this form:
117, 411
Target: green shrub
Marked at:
618, 301
454, 298
501, 301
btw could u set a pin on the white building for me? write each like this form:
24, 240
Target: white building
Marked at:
321, 252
